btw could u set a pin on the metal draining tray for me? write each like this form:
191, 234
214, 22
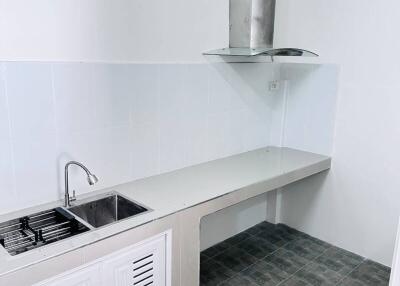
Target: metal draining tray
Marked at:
29, 232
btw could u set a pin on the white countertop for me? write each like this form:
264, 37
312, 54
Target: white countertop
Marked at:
172, 192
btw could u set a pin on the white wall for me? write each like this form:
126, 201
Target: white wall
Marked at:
118, 30
124, 121
228, 222
121, 130
357, 205
310, 106
301, 115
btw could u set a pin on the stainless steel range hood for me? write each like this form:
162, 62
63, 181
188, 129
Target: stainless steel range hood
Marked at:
251, 31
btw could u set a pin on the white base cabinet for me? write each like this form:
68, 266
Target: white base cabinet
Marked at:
143, 264
87, 276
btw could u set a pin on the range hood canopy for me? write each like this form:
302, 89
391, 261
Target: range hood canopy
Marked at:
251, 31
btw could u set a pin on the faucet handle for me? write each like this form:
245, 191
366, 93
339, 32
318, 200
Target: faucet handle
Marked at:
73, 198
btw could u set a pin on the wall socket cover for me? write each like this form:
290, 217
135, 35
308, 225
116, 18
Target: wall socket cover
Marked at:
274, 85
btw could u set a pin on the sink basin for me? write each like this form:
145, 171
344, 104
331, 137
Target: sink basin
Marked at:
39, 229
107, 210
36, 230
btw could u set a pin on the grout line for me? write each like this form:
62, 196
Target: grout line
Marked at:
230, 246
262, 259
237, 274
258, 259
348, 274
311, 261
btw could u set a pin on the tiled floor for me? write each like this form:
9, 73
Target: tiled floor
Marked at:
268, 254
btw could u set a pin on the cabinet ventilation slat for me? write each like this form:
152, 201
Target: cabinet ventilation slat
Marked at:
148, 273
143, 271
144, 281
142, 262
137, 261
144, 265
145, 275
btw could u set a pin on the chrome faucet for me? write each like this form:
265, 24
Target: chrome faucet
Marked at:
92, 179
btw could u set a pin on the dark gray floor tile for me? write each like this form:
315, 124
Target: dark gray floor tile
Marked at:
278, 235
318, 275
382, 269
238, 280
274, 238
257, 247
237, 238
339, 260
368, 273
286, 260
216, 249
203, 257
263, 226
262, 273
294, 281
310, 261
351, 282
306, 248
318, 241
212, 273
255, 229
267, 225
286, 231
292, 231
235, 259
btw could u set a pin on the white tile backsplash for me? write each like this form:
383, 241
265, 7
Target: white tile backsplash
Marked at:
218, 135
311, 107
171, 95
35, 165
112, 89
124, 121
172, 140
74, 97
30, 97
220, 88
196, 82
196, 139
7, 188
145, 95
145, 149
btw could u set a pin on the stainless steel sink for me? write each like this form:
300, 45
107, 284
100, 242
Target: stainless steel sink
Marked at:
106, 210
36, 230
29, 232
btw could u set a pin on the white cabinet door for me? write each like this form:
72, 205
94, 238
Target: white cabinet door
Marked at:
88, 276
141, 265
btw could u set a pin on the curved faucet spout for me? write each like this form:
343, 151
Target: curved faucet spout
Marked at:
91, 178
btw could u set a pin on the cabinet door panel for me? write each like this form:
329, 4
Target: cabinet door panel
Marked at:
142, 265
88, 276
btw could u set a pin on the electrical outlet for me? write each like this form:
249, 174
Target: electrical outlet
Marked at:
274, 85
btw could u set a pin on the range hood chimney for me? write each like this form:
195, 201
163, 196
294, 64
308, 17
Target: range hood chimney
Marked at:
251, 31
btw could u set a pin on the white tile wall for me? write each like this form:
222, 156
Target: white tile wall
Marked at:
311, 106
30, 97
124, 121
33, 133
75, 101
6, 163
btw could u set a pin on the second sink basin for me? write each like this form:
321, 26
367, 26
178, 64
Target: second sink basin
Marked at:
107, 210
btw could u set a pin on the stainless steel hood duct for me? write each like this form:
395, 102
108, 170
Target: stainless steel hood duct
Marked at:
251, 31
